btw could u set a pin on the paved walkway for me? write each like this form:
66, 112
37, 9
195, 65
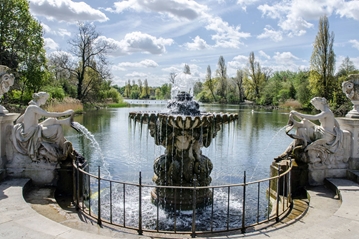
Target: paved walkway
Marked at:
327, 217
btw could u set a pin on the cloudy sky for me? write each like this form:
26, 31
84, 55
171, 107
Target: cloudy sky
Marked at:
157, 37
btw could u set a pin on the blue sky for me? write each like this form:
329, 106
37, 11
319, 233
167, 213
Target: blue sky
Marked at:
157, 37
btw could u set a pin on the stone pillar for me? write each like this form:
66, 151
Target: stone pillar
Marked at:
352, 125
5, 121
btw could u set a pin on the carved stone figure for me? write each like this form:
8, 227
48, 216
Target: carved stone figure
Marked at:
320, 146
351, 90
6, 81
41, 140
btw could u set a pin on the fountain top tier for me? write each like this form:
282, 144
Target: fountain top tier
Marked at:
184, 114
184, 122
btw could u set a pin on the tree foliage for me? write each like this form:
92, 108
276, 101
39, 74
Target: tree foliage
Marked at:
221, 74
87, 63
255, 78
22, 46
322, 62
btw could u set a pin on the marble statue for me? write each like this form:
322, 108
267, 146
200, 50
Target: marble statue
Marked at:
42, 140
350, 88
322, 147
6, 81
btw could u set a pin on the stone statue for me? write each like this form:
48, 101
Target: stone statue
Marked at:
42, 140
318, 145
351, 90
6, 81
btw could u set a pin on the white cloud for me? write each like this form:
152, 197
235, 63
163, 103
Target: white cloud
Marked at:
179, 9
271, 34
284, 57
263, 54
136, 74
63, 32
294, 16
60, 32
226, 36
50, 44
355, 61
349, 9
238, 62
144, 63
138, 42
197, 44
66, 10
142, 42
246, 2
354, 43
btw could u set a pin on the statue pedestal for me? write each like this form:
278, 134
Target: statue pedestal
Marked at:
41, 173
352, 125
5, 121
354, 113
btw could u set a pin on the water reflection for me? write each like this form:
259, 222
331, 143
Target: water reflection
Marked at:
247, 145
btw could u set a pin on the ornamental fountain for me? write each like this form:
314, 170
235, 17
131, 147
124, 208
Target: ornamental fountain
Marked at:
183, 131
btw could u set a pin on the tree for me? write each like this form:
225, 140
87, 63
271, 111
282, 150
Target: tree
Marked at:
322, 61
346, 68
90, 51
210, 83
127, 91
145, 93
221, 73
238, 81
255, 78
22, 45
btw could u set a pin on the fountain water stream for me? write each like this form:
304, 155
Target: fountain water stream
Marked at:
96, 146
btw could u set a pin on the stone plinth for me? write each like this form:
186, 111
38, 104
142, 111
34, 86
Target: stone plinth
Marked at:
5, 121
41, 173
351, 125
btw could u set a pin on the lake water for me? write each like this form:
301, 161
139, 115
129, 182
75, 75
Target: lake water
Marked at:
123, 151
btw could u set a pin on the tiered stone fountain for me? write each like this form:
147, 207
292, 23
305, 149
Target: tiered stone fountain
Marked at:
183, 131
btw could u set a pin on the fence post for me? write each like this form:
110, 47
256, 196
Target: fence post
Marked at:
243, 229
77, 186
111, 202
277, 199
194, 200
140, 205
99, 222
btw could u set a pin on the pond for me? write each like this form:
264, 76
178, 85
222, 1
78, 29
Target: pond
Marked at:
123, 151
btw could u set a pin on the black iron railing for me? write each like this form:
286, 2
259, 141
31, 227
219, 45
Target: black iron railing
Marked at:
277, 199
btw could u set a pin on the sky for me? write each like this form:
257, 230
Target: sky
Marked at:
154, 38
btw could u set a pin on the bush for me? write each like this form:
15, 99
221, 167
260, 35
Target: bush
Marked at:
55, 92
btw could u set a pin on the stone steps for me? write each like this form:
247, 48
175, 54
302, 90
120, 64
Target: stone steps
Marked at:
353, 175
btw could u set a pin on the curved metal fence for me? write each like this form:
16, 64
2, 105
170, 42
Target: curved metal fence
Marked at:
255, 203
